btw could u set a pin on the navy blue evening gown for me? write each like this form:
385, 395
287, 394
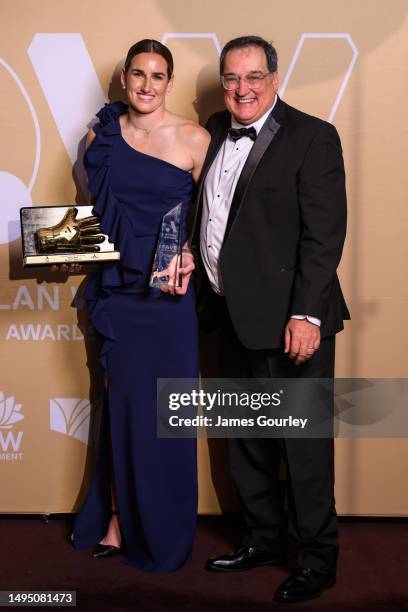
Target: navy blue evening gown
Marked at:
142, 334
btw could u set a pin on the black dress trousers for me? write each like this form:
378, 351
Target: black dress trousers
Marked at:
255, 464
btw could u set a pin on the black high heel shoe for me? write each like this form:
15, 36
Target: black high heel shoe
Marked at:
102, 551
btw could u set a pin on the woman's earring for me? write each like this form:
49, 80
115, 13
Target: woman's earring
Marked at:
123, 86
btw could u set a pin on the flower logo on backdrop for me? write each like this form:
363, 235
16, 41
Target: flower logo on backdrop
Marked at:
71, 416
10, 441
9, 412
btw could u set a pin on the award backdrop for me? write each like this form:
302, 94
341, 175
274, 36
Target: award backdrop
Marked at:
343, 60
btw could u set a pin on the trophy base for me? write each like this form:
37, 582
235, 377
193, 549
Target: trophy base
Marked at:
60, 258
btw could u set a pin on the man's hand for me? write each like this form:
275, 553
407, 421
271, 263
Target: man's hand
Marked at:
302, 339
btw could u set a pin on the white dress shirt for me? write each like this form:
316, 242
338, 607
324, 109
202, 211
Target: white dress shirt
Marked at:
218, 192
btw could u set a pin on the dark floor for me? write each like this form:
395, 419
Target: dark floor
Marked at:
372, 572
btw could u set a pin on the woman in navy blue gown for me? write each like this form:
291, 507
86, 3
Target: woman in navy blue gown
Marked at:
141, 162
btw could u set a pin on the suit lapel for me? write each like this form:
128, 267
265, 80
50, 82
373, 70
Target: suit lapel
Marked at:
264, 139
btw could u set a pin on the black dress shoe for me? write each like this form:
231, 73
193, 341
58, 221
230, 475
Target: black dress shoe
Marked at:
303, 584
104, 550
245, 558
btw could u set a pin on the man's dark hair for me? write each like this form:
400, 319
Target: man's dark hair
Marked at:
149, 45
251, 41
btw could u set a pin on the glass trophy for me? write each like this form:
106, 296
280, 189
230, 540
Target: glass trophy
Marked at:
167, 259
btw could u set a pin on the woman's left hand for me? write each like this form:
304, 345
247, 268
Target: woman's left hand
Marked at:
185, 272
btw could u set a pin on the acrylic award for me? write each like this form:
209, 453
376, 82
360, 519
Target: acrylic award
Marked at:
167, 259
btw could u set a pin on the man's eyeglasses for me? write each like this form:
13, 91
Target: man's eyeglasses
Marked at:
253, 80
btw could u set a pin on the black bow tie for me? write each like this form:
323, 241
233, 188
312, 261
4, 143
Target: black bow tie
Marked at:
237, 133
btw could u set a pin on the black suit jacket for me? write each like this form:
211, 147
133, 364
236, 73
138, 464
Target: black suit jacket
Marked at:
285, 232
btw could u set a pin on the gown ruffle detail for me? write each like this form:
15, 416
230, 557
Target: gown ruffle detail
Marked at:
114, 222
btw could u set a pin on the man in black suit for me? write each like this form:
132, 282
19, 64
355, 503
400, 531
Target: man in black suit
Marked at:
270, 228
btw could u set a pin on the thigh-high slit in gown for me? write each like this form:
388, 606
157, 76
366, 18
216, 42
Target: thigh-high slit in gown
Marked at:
142, 334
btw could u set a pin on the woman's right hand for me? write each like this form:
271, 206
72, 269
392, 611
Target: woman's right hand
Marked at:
66, 269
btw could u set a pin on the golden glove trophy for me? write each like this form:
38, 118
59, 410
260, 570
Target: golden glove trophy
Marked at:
63, 234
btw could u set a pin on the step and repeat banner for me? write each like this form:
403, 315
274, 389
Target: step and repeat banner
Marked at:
59, 62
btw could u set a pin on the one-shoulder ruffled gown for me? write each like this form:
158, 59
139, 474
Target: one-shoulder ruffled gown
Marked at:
142, 334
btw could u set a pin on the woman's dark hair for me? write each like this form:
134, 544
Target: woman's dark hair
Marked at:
148, 45
251, 41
